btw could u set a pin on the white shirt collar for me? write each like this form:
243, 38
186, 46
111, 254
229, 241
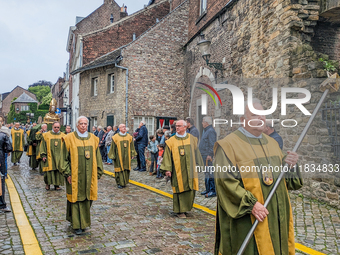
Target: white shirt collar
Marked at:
247, 134
181, 136
82, 135
122, 133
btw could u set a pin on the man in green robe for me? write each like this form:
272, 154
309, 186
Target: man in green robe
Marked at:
180, 158
38, 139
121, 151
81, 164
18, 141
50, 152
247, 164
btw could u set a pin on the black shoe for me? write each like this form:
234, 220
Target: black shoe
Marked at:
120, 187
78, 231
6, 210
210, 194
204, 192
14, 164
136, 169
142, 170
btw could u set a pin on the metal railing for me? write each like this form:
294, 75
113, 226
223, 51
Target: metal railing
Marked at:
331, 115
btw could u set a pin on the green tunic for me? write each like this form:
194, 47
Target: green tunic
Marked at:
18, 141
237, 192
33, 162
121, 151
181, 156
81, 160
52, 153
39, 138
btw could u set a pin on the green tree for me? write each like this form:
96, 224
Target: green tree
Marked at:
47, 99
40, 92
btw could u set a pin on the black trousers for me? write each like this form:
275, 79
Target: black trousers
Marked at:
2, 197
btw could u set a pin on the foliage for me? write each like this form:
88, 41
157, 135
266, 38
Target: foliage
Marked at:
40, 92
44, 107
21, 116
47, 99
329, 65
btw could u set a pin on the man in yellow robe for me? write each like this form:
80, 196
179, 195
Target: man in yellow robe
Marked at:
247, 164
50, 152
121, 151
81, 164
18, 141
180, 158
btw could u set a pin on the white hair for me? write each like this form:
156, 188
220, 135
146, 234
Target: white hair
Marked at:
100, 127
82, 117
255, 101
184, 122
167, 133
43, 125
207, 119
143, 122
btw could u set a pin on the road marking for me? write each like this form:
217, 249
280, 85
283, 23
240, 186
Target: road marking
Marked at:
298, 246
28, 238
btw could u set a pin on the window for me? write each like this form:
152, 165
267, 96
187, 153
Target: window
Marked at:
94, 86
25, 108
149, 124
94, 121
203, 6
112, 83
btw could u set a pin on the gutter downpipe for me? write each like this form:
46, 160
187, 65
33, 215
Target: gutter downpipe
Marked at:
126, 92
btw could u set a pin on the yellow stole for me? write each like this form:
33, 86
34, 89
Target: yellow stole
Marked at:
72, 143
173, 145
30, 147
47, 137
15, 134
117, 139
238, 151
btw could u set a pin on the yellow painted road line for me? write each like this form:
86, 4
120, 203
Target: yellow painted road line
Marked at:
28, 238
298, 246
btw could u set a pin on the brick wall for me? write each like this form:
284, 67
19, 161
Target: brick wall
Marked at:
106, 40
156, 76
327, 39
16, 92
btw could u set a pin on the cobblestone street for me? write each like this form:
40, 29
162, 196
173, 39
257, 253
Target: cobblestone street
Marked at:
137, 221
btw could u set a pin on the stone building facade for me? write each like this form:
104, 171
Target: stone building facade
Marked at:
157, 89
265, 44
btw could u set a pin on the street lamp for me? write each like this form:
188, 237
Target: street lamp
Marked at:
29, 115
204, 47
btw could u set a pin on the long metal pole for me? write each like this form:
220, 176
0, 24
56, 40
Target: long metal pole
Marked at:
126, 91
285, 169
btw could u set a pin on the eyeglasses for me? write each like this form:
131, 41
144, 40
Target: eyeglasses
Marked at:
56, 127
180, 126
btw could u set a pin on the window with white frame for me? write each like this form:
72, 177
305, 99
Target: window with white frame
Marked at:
94, 121
25, 108
149, 124
203, 6
112, 83
94, 86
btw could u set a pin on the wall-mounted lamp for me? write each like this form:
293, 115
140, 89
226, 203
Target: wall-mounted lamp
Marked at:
204, 47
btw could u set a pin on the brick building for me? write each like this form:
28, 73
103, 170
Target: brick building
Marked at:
265, 44
22, 103
155, 90
103, 16
8, 97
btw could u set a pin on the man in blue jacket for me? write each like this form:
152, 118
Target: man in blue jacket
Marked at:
206, 148
142, 143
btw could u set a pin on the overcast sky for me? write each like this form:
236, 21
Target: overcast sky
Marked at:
33, 36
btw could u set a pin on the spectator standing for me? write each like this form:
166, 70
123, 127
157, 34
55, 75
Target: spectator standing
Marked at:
95, 131
206, 148
269, 130
135, 134
159, 160
159, 134
142, 143
165, 128
192, 129
115, 130
102, 145
7, 131
108, 141
5, 147
152, 147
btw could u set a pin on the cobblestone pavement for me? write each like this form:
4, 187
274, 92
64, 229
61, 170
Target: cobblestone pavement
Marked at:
10, 242
128, 221
317, 225
137, 221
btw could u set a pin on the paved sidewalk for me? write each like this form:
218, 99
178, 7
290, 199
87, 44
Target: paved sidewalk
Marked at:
10, 242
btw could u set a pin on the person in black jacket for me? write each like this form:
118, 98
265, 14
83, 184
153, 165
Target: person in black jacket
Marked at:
5, 147
191, 129
142, 143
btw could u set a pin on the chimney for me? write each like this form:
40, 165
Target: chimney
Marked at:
123, 11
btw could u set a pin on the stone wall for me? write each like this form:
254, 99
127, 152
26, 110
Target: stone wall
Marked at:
258, 40
121, 33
